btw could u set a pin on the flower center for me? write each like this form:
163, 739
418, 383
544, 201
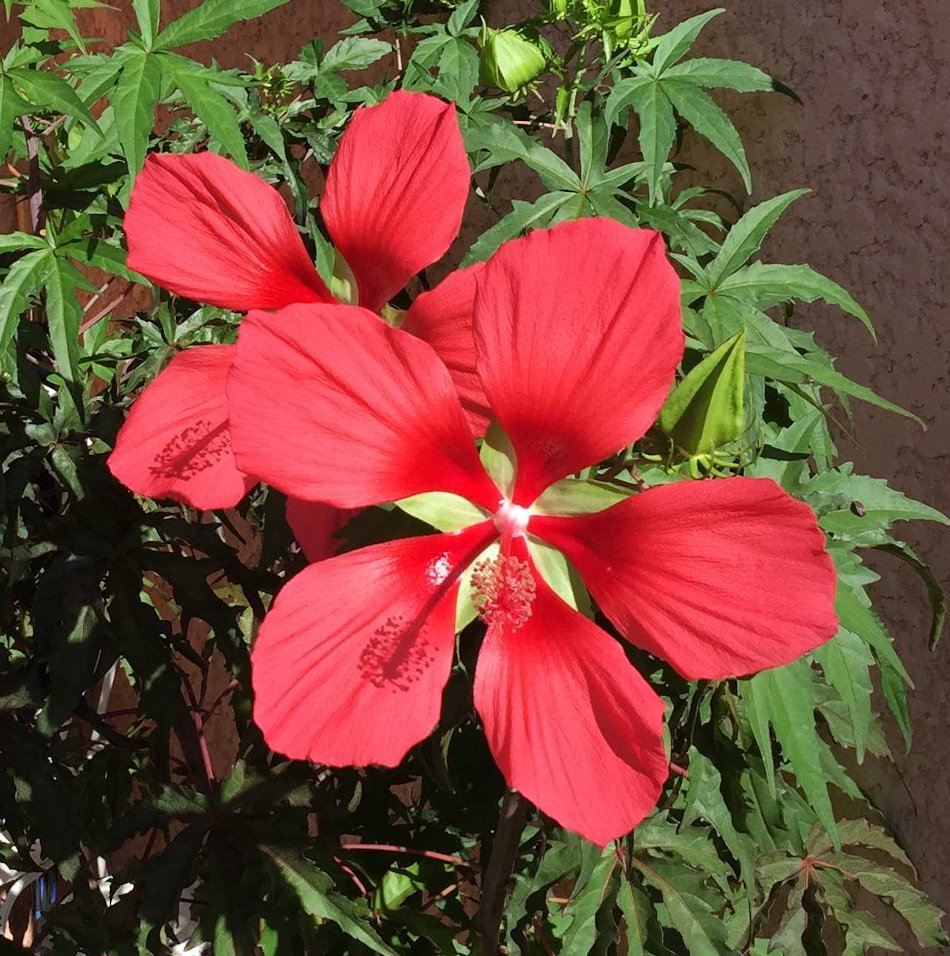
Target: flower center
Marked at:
511, 520
503, 590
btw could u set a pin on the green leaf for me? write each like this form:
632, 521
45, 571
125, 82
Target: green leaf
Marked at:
63, 316
25, 278
785, 694
704, 800
938, 600
787, 938
846, 660
687, 907
11, 106
706, 410
314, 890
523, 216
463, 15
789, 366
586, 903
860, 930
354, 53
134, 100
673, 45
14, 241
638, 914
208, 105
56, 15
721, 74
921, 916
51, 92
862, 832
770, 284
866, 503
443, 510
504, 143
210, 19
746, 236
657, 131
856, 614
147, 15
702, 112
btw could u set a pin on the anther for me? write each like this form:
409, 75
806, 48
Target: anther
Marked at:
504, 590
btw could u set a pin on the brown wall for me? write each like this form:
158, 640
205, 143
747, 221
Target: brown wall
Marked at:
871, 142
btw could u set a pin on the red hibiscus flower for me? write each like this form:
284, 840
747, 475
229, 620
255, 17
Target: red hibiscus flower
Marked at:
203, 228
577, 336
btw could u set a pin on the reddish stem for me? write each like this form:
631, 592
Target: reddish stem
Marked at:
411, 851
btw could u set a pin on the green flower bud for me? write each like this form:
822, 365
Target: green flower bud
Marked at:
707, 409
509, 60
557, 9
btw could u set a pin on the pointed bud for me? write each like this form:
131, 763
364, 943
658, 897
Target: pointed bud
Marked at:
509, 60
707, 409
557, 9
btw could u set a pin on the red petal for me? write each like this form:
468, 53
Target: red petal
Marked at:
315, 526
572, 725
349, 664
328, 403
203, 228
577, 331
395, 192
175, 442
719, 577
443, 317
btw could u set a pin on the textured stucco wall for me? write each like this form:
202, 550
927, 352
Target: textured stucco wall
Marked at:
871, 142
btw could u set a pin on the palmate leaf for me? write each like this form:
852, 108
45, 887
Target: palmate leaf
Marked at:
783, 696
216, 112
147, 15
702, 112
686, 907
12, 105
354, 53
866, 504
587, 901
134, 99
845, 661
210, 19
498, 143
314, 889
770, 284
722, 74
50, 92
523, 216
746, 236
704, 800
639, 918
561, 858
921, 916
657, 129
24, 279
674, 45
856, 614
938, 599
63, 317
